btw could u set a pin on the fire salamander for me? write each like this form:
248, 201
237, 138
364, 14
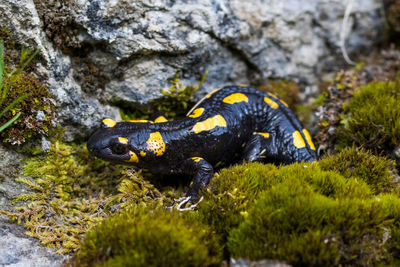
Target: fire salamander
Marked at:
230, 124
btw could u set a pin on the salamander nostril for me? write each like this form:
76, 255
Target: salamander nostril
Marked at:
92, 148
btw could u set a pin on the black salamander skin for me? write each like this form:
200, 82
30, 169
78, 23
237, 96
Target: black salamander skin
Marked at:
231, 124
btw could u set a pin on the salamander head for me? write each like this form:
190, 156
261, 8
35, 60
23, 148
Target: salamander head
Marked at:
120, 142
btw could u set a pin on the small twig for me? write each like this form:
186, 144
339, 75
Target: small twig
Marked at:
345, 23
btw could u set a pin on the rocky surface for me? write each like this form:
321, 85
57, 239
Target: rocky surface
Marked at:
99, 54
19, 250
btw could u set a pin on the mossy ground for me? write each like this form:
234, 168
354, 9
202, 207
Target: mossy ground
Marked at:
73, 191
339, 211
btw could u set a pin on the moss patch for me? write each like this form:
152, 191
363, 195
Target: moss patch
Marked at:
34, 113
149, 236
310, 215
37, 110
372, 117
377, 172
292, 222
333, 212
383, 66
72, 192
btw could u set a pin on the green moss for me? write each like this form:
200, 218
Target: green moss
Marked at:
372, 118
72, 191
376, 171
27, 125
149, 236
231, 192
326, 213
351, 174
292, 222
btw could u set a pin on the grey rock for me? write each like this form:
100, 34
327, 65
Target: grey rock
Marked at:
132, 48
240, 262
45, 144
19, 250
9, 162
40, 116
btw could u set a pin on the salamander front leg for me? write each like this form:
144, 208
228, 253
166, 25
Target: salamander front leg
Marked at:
202, 172
260, 148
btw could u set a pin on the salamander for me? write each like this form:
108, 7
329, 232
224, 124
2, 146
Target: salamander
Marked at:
230, 124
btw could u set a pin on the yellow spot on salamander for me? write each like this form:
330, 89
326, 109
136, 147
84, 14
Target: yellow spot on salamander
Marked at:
197, 113
309, 139
265, 135
196, 159
235, 98
142, 153
137, 121
298, 140
133, 157
109, 123
243, 85
160, 119
156, 144
209, 124
273, 95
271, 103
283, 102
212, 92
122, 140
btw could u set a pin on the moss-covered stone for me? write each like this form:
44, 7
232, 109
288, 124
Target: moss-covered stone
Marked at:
149, 236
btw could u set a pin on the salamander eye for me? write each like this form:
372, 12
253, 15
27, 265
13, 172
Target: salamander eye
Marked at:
119, 146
